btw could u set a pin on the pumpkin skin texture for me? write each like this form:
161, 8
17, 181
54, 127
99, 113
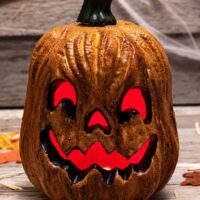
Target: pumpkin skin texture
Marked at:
102, 63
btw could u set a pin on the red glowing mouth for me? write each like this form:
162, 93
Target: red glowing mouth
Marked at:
96, 154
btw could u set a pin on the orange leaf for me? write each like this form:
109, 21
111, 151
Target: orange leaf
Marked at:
10, 156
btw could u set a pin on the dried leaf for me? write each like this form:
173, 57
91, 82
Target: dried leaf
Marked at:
10, 156
9, 141
12, 187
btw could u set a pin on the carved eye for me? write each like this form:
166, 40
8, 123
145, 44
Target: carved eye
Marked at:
136, 101
62, 92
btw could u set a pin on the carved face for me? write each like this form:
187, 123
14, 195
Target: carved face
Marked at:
135, 104
98, 119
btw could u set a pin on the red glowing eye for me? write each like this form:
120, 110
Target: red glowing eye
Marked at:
134, 102
61, 90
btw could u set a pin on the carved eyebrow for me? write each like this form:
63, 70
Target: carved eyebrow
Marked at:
60, 90
134, 100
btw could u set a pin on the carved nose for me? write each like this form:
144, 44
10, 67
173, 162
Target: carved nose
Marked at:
97, 119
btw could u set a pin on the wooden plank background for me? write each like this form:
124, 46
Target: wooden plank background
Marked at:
23, 22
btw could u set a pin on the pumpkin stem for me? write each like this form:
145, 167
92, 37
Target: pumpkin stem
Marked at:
96, 13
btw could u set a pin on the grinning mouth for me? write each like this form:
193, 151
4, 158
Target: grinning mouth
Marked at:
79, 164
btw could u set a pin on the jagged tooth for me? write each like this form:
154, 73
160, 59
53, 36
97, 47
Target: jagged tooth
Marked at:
72, 172
45, 146
66, 166
57, 160
125, 176
142, 167
137, 168
111, 177
117, 172
76, 179
133, 168
56, 163
108, 176
126, 172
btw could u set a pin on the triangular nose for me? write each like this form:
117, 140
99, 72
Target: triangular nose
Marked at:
98, 120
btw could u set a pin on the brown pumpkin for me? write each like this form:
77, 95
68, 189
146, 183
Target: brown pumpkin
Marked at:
98, 120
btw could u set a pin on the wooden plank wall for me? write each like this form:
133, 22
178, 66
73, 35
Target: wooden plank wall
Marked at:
23, 22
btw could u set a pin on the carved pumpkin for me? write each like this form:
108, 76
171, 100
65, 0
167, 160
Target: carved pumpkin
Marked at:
98, 120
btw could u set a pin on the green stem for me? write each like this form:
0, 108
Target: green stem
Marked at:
96, 13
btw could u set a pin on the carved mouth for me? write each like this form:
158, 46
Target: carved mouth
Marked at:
79, 164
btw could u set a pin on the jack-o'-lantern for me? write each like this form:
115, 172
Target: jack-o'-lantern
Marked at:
98, 120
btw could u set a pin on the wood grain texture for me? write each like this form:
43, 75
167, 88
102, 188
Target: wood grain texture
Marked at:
21, 17
10, 120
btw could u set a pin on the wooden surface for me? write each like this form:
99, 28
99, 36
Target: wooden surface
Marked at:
23, 22
189, 158
13, 70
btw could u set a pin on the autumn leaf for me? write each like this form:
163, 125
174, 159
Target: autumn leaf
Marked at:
9, 141
10, 156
